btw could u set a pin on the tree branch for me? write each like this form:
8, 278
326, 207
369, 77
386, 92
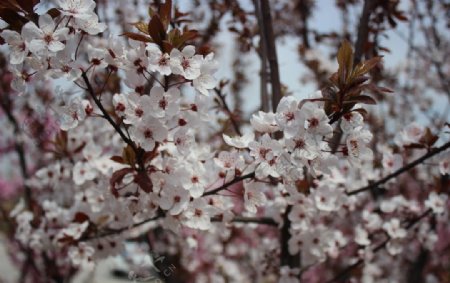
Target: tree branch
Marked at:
268, 37
19, 148
363, 29
402, 170
256, 220
343, 274
262, 52
106, 114
228, 111
226, 185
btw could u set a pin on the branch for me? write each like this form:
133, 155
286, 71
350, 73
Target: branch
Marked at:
106, 114
19, 148
363, 33
111, 232
363, 29
267, 35
257, 220
343, 274
228, 111
402, 170
262, 52
232, 182
240, 219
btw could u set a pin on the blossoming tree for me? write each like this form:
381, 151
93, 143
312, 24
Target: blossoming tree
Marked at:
118, 139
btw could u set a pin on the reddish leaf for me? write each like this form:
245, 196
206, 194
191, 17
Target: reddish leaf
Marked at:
378, 89
66, 239
364, 99
144, 182
428, 138
80, 217
129, 156
137, 37
156, 30
118, 159
141, 26
14, 20
345, 61
167, 46
150, 155
117, 178
188, 35
28, 5
361, 111
54, 12
10, 4
364, 67
415, 146
165, 13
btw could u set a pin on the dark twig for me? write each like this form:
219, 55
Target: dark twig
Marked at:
363, 29
230, 114
18, 145
262, 52
232, 182
402, 170
106, 114
256, 220
344, 274
267, 34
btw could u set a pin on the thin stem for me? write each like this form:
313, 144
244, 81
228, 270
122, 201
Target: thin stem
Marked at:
228, 111
232, 182
343, 274
78, 46
19, 147
256, 220
106, 114
402, 170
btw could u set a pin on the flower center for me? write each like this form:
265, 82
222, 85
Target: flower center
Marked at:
148, 134
163, 103
48, 38
185, 64
313, 122
139, 112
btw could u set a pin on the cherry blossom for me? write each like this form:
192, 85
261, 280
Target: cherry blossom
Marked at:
148, 131
198, 214
253, 196
436, 202
174, 199
159, 62
18, 45
144, 157
239, 142
45, 38
185, 62
78, 9
72, 114
164, 104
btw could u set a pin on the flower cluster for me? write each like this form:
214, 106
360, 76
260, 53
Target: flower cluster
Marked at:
147, 153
